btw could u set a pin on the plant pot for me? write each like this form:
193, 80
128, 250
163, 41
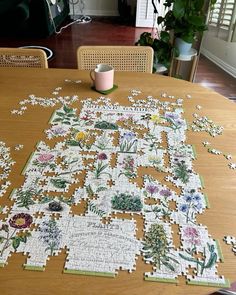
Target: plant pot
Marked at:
182, 46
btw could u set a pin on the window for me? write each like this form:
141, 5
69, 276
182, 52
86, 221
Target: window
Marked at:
222, 20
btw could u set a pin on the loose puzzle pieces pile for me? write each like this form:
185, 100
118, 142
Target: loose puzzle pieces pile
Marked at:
97, 160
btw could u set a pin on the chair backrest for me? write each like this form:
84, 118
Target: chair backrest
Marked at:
23, 57
122, 58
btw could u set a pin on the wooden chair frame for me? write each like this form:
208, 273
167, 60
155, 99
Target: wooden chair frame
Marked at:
23, 57
122, 58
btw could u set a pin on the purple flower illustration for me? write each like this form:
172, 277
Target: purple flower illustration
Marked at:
152, 189
58, 130
9, 238
21, 220
174, 120
102, 156
100, 167
165, 193
129, 136
171, 116
128, 167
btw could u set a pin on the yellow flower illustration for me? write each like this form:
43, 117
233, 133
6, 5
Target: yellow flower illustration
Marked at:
80, 136
155, 119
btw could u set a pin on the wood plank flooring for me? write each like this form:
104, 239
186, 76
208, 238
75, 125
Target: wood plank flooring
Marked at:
111, 31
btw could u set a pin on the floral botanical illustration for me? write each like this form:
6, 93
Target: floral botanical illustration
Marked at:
181, 170
25, 197
103, 142
80, 139
101, 166
128, 167
156, 248
191, 204
152, 142
45, 159
128, 143
56, 131
50, 235
173, 120
10, 238
156, 120
151, 189
208, 261
66, 116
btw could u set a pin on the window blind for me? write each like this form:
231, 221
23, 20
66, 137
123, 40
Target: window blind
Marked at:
222, 13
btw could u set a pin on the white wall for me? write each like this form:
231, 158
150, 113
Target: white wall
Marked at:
220, 52
97, 7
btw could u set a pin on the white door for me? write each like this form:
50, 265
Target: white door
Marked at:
145, 16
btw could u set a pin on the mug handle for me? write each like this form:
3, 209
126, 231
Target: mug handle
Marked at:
92, 75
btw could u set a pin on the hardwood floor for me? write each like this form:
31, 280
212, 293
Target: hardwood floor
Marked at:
111, 31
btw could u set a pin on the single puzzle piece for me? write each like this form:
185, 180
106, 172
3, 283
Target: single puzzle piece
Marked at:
230, 240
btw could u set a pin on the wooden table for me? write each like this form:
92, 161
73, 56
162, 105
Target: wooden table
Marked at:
18, 84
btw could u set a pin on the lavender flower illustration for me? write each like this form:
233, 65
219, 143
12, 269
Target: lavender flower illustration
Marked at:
165, 193
162, 209
174, 120
50, 234
56, 131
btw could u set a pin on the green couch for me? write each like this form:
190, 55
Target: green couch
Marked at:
32, 17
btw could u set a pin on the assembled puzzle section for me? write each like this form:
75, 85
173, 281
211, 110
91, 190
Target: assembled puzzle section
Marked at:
109, 145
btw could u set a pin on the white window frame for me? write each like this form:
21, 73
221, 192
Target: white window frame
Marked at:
222, 20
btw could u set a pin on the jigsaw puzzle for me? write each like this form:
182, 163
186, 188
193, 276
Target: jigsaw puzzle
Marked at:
98, 158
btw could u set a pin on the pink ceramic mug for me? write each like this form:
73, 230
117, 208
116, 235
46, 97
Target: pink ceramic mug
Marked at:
103, 77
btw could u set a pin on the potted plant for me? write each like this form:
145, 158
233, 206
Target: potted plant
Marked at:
162, 48
187, 19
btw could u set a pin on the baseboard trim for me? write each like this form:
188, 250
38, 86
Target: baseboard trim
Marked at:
96, 12
224, 66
